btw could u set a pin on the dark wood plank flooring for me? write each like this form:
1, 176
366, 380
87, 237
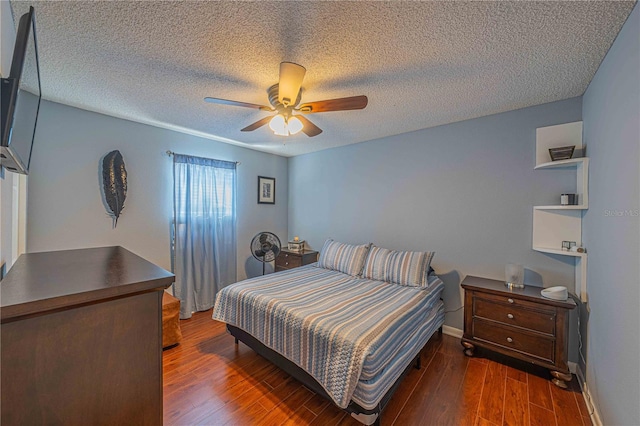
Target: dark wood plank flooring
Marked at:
208, 380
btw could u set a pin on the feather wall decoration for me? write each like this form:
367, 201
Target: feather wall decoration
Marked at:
114, 181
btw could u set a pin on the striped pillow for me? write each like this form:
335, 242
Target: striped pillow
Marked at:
345, 258
376, 264
409, 268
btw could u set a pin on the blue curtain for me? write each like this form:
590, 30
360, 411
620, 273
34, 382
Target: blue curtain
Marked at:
204, 203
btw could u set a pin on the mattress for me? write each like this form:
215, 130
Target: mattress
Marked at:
369, 391
344, 331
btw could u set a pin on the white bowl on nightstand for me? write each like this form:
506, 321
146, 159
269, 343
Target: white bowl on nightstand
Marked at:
555, 293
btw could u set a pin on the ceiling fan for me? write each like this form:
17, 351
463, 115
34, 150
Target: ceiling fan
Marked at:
284, 98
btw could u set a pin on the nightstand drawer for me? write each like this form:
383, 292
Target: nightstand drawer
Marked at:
511, 338
543, 321
513, 300
288, 260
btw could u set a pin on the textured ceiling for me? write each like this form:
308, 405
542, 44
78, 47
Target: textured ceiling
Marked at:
421, 64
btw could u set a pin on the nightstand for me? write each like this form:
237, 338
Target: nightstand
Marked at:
288, 259
519, 323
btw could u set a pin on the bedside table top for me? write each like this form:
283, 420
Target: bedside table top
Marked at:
301, 252
530, 293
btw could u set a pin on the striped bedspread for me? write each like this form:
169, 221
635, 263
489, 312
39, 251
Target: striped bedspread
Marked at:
338, 328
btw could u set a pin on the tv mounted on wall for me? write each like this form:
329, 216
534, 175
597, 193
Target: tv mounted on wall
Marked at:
21, 94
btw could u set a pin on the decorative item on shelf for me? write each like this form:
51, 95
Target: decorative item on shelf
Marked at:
561, 152
514, 276
296, 244
567, 245
114, 184
577, 249
266, 190
569, 199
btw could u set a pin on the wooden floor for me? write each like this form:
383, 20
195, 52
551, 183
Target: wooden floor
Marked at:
209, 380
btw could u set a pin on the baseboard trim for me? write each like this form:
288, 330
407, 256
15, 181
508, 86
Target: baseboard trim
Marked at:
586, 394
452, 331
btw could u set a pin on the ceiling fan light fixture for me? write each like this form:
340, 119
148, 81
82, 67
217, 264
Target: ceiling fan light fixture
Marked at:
279, 125
285, 125
294, 125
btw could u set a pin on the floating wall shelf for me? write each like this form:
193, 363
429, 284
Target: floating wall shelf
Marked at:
560, 207
562, 252
561, 163
553, 224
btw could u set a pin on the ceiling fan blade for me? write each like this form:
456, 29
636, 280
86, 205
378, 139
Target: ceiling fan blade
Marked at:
257, 124
309, 128
341, 104
291, 76
237, 103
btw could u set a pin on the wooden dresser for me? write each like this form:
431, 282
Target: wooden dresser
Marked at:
82, 339
518, 323
292, 259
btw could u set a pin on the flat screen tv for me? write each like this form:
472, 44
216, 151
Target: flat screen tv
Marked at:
21, 95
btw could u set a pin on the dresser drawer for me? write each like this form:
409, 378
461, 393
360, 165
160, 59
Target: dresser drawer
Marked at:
514, 339
288, 260
514, 314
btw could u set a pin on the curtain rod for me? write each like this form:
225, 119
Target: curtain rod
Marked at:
170, 154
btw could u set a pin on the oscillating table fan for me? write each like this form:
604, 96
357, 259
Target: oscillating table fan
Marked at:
265, 247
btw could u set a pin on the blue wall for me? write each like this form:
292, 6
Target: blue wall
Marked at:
65, 208
611, 229
464, 190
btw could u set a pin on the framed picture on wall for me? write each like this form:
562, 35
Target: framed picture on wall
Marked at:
266, 190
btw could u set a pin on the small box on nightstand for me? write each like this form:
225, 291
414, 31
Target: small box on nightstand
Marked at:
296, 245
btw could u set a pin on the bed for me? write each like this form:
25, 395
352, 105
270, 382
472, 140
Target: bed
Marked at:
336, 326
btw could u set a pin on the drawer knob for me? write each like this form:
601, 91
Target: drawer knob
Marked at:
510, 316
510, 300
286, 263
509, 339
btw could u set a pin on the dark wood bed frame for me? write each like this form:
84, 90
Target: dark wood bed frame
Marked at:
361, 414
